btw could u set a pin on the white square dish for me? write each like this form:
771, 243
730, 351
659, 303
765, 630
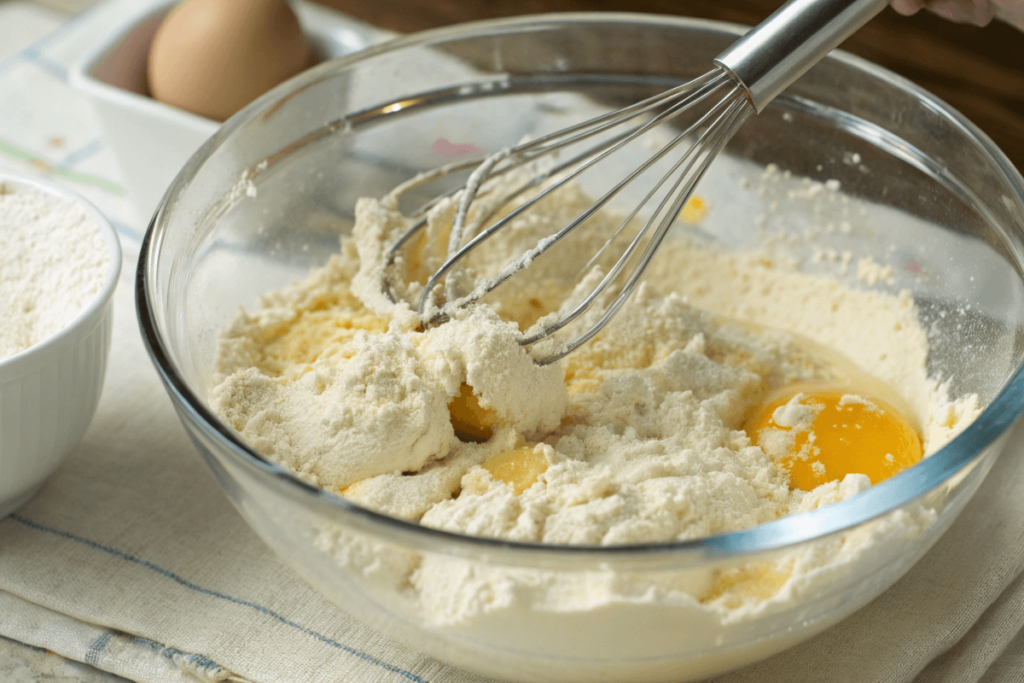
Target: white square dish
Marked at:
153, 140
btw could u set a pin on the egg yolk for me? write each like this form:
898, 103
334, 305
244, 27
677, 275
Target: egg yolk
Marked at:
821, 434
518, 468
472, 422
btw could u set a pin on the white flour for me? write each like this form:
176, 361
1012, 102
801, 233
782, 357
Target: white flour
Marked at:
635, 437
637, 433
52, 264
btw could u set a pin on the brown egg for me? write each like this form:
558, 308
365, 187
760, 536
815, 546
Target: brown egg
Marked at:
213, 57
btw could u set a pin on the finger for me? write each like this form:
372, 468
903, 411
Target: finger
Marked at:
977, 12
1010, 11
907, 7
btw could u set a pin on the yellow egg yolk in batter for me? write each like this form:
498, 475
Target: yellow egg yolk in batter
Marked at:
518, 468
820, 434
471, 421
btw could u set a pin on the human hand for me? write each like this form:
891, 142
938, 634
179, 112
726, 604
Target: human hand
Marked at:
979, 12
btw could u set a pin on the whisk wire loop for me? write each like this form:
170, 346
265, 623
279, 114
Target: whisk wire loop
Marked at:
736, 113
726, 114
754, 70
714, 78
686, 96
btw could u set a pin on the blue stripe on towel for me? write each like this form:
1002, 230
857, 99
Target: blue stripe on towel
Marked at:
125, 230
93, 655
83, 153
29, 53
58, 71
205, 591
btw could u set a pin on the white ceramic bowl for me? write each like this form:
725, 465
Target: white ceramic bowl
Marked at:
49, 392
153, 140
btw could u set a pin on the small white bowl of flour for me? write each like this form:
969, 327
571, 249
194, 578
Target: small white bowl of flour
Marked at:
59, 264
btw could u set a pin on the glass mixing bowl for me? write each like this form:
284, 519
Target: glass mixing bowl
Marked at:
268, 196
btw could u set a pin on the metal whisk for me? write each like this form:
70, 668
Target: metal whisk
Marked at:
746, 77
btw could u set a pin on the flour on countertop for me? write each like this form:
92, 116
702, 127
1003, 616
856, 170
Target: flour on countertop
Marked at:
53, 262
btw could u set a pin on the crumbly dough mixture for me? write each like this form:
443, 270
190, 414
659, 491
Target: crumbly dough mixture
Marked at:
635, 437
52, 265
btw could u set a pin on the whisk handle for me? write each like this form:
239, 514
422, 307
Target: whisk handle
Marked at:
781, 48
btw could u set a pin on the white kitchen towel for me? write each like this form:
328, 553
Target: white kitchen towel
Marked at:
48, 128
130, 558
129, 656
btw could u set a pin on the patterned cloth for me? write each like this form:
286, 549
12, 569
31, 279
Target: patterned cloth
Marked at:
131, 559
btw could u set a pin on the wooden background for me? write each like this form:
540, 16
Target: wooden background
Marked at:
979, 71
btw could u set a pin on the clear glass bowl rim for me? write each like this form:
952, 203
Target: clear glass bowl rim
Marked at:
885, 497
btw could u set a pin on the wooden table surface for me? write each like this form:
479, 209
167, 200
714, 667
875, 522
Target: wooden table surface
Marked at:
979, 71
